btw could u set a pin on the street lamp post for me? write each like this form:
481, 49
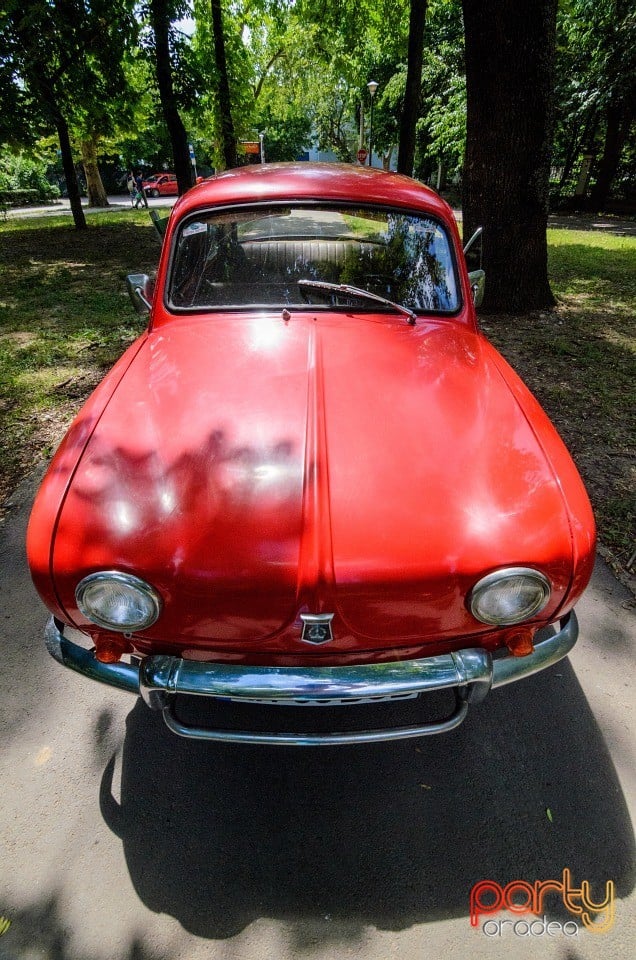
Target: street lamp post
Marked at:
372, 86
261, 138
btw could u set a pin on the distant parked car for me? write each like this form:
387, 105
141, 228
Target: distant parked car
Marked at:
161, 185
311, 494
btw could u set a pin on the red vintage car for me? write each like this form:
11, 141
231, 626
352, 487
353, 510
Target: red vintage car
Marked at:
312, 481
161, 185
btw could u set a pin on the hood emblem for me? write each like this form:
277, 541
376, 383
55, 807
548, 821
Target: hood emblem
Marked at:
316, 627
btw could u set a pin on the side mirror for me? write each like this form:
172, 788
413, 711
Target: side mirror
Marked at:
159, 223
473, 252
474, 247
477, 285
142, 290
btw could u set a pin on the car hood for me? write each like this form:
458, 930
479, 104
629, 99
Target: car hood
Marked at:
253, 468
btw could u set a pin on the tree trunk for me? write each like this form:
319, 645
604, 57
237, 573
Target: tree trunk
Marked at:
571, 155
579, 144
509, 78
184, 172
412, 94
94, 186
619, 117
226, 123
70, 175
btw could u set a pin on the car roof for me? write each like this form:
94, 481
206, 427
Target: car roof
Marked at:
311, 181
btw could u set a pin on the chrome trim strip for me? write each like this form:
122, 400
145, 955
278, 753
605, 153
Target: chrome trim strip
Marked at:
124, 676
316, 740
312, 683
546, 653
471, 672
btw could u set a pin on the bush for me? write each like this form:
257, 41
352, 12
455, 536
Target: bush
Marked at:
19, 198
23, 180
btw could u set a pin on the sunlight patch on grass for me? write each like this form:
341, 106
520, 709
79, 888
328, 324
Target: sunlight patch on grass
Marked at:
19, 339
616, 338
47, 379
54, 221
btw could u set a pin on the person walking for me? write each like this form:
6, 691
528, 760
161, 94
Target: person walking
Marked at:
140, 195
131, 186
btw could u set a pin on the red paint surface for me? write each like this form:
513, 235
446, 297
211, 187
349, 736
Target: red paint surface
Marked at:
252, 468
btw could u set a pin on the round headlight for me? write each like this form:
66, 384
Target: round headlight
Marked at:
509, 596
118, 601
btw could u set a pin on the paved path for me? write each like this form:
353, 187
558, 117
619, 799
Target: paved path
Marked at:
63, 206
624, 226
123, 842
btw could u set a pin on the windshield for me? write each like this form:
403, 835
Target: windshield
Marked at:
257, 256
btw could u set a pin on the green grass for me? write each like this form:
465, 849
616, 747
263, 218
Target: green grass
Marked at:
65, 317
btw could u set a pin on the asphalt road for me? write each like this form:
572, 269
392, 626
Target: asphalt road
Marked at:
623, 226
63, 206
123, 842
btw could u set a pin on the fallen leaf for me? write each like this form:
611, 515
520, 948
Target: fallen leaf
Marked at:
548, 814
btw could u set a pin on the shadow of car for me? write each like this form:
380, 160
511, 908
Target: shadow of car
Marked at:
388, 835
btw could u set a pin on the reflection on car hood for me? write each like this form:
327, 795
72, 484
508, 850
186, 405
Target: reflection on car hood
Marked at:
252, 469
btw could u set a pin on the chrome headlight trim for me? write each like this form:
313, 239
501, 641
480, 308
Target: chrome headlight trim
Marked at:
146, 595
479, 594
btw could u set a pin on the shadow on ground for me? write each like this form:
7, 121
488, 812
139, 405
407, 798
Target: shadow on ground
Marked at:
43, 924
389, 834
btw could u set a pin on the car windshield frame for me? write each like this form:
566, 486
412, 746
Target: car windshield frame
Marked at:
249, 213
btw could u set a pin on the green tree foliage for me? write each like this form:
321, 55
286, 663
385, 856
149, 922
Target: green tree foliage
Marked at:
61, 60
297, 71
596, 95
290, 70
314, 62
442, 123
26, 170
222, 63
373, 45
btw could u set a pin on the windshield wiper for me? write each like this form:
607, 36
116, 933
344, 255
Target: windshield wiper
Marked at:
410, 315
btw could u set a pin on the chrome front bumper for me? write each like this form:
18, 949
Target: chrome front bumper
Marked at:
471, 673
